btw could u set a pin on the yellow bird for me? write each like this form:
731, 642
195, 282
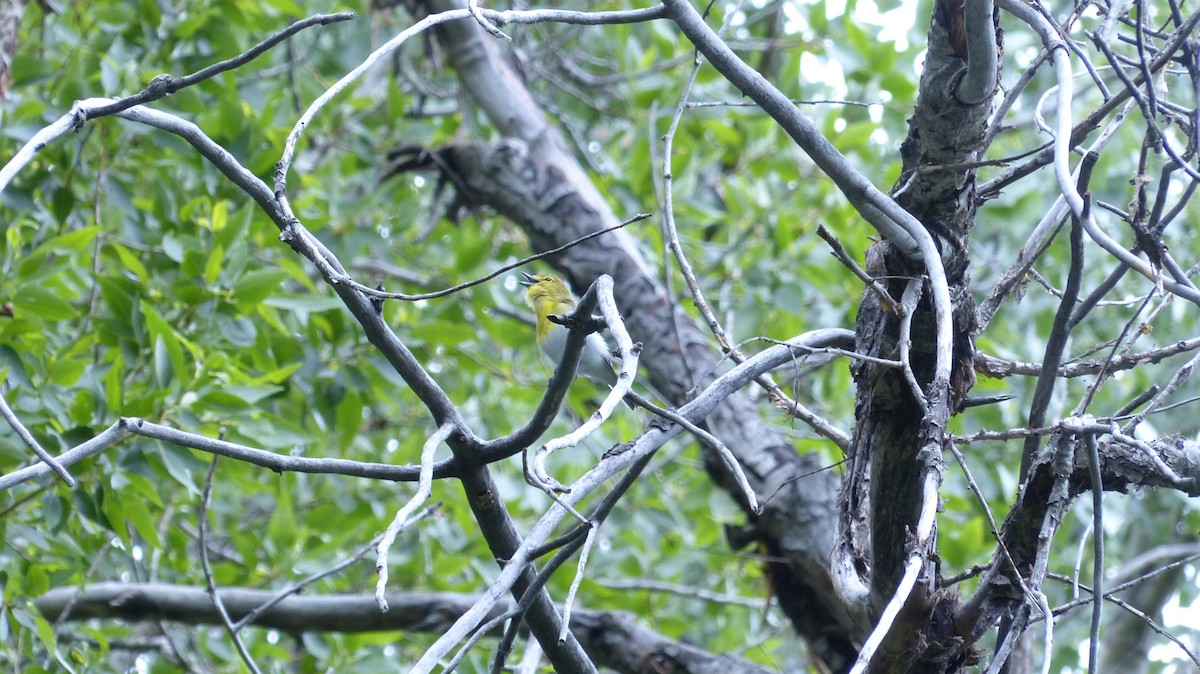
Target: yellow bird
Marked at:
548, 295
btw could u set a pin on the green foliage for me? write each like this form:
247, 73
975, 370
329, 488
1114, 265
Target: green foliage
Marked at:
143, 283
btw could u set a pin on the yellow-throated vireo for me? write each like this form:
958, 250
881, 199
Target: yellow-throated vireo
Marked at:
548, 295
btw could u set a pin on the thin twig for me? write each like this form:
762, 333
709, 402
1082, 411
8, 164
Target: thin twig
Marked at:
690, 105
1110, 596
890, 305
1098, 542
1169, 388
336, 568
1060, 330
380, 294
32, 442
483, 22
424, 489
165, 85
987, 511
708, 439
569, 602
908, 302
209, 579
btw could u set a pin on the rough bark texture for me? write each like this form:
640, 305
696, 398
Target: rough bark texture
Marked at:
543, 619
882, 496
10, 21
1121, 467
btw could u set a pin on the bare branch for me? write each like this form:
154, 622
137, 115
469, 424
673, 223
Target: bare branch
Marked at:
213, 592
614, 639
996, 367
424, 489
32, 442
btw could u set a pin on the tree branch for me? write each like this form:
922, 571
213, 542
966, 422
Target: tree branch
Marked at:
614, 640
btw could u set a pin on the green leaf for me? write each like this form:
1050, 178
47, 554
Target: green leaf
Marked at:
62, 203
173, 248
304, 303
115, 514
168, 351
220, 216
214, 264
83, 407
285, 7
275, 376
118, 295
180, 465
36, 302
282, 527
67, 371
251, 395
130, 261
135, 505
254, 287
163, 373
446, 333
45, 631
348, 420
195, 21
54, 512
471, 252
74, 241
113, 383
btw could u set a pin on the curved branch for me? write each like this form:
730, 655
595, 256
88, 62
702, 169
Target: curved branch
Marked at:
1062, 150
612, 464
893, 222
979, 83
1000, 368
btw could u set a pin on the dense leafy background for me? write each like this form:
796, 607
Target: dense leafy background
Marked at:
143, 284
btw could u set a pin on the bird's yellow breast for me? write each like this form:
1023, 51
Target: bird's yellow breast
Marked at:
548, 295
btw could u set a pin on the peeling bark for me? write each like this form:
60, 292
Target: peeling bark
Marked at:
882, 493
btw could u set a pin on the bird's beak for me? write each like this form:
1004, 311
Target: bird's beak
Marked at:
529, 280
